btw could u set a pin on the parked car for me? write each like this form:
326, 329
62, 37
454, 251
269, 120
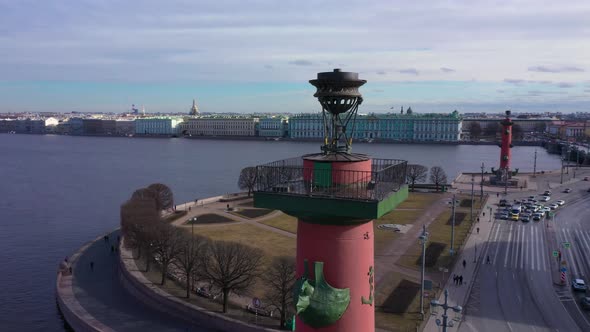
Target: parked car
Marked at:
547, 193
202, 291
579, 285
531, 197
560, 202
567, 190
585, 303
503, 202
586, 178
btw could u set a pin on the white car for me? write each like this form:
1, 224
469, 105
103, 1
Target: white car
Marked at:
553, 206
579, 285
567, 190
560, 202
544, 198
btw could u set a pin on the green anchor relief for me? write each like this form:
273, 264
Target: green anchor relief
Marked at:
317, 303
371, 288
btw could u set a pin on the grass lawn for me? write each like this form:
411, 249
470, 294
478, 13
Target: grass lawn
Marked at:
209, 218
252, 213
284, 222
271, 243
418, 200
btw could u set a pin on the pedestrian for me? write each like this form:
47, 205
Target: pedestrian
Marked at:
91, 266
464, 263
461, 280
455, 279
189, 208
70, 270
497, 194
112, 248
478, 230
484, 214
477, 219
66, 259
488, 259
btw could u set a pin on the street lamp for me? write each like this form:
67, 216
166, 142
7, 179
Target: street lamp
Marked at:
452, 251
423, 239
445, 323
472, 188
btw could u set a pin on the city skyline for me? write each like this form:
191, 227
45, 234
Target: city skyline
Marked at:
236, 57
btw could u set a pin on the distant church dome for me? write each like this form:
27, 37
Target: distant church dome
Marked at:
194, 109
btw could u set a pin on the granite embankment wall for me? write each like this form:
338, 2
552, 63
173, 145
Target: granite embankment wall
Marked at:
77, 317
137, 285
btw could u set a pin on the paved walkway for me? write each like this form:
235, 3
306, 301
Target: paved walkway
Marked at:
100, 292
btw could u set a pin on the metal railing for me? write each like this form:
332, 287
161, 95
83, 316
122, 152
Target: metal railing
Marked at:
290, 177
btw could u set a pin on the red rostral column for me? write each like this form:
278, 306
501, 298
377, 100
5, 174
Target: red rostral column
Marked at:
505, 152
335, 196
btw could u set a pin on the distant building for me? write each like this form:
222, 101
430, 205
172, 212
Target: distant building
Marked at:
157, 126
29, 126
386, 127
7, 126
271, 127
219, 127
99, 127
124, 127
194, 109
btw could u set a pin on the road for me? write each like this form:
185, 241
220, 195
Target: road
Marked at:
516, 292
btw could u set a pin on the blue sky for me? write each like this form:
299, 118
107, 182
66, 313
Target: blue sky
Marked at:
257, 56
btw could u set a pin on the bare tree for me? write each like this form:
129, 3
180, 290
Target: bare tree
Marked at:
166, 246
438, 176
164, 196
416, 173
144, 194
492, 129
248, 179
475, 129
137, 218
192, 251
232, 267
517, 132
280, 279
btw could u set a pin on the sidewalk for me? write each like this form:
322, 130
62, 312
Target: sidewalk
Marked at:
474, 249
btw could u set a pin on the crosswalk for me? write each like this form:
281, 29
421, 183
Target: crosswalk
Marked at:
518, 246
577, 256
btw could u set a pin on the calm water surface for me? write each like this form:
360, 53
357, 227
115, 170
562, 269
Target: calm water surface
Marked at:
57, 192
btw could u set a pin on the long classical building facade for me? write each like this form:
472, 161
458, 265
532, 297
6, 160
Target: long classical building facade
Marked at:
219, 127
386, 127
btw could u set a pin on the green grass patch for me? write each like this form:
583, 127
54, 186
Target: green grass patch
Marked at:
175, 216
459, 218
252, 213
418, 200
433, 251
284, 222
209, 218
401, 298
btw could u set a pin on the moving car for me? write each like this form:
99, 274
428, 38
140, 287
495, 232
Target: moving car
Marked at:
504, 216
503, 202
585, 303
553, 206
560, 202
525, 218
579, 285
514, 216
544, 198
537, 217
567, 190
547, 193
586, 178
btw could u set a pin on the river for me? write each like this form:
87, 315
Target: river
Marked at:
58, 192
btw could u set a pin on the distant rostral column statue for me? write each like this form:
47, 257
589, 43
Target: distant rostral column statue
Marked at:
505, 146
335, 195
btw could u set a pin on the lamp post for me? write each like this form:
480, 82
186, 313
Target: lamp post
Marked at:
472, 192
535, 165
423, 239
445, 306
452, 251
490, 214
481, 184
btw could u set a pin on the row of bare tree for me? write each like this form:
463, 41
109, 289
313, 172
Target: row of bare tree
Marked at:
419, 173
229, 267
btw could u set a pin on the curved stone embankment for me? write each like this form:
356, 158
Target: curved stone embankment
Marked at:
137, 285
75, 315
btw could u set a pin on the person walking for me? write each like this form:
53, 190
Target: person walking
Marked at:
455, 279
91, 266
461, 280
478, 230
464, 263
488, 260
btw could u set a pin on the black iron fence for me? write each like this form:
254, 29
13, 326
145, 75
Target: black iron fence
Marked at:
291, 177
